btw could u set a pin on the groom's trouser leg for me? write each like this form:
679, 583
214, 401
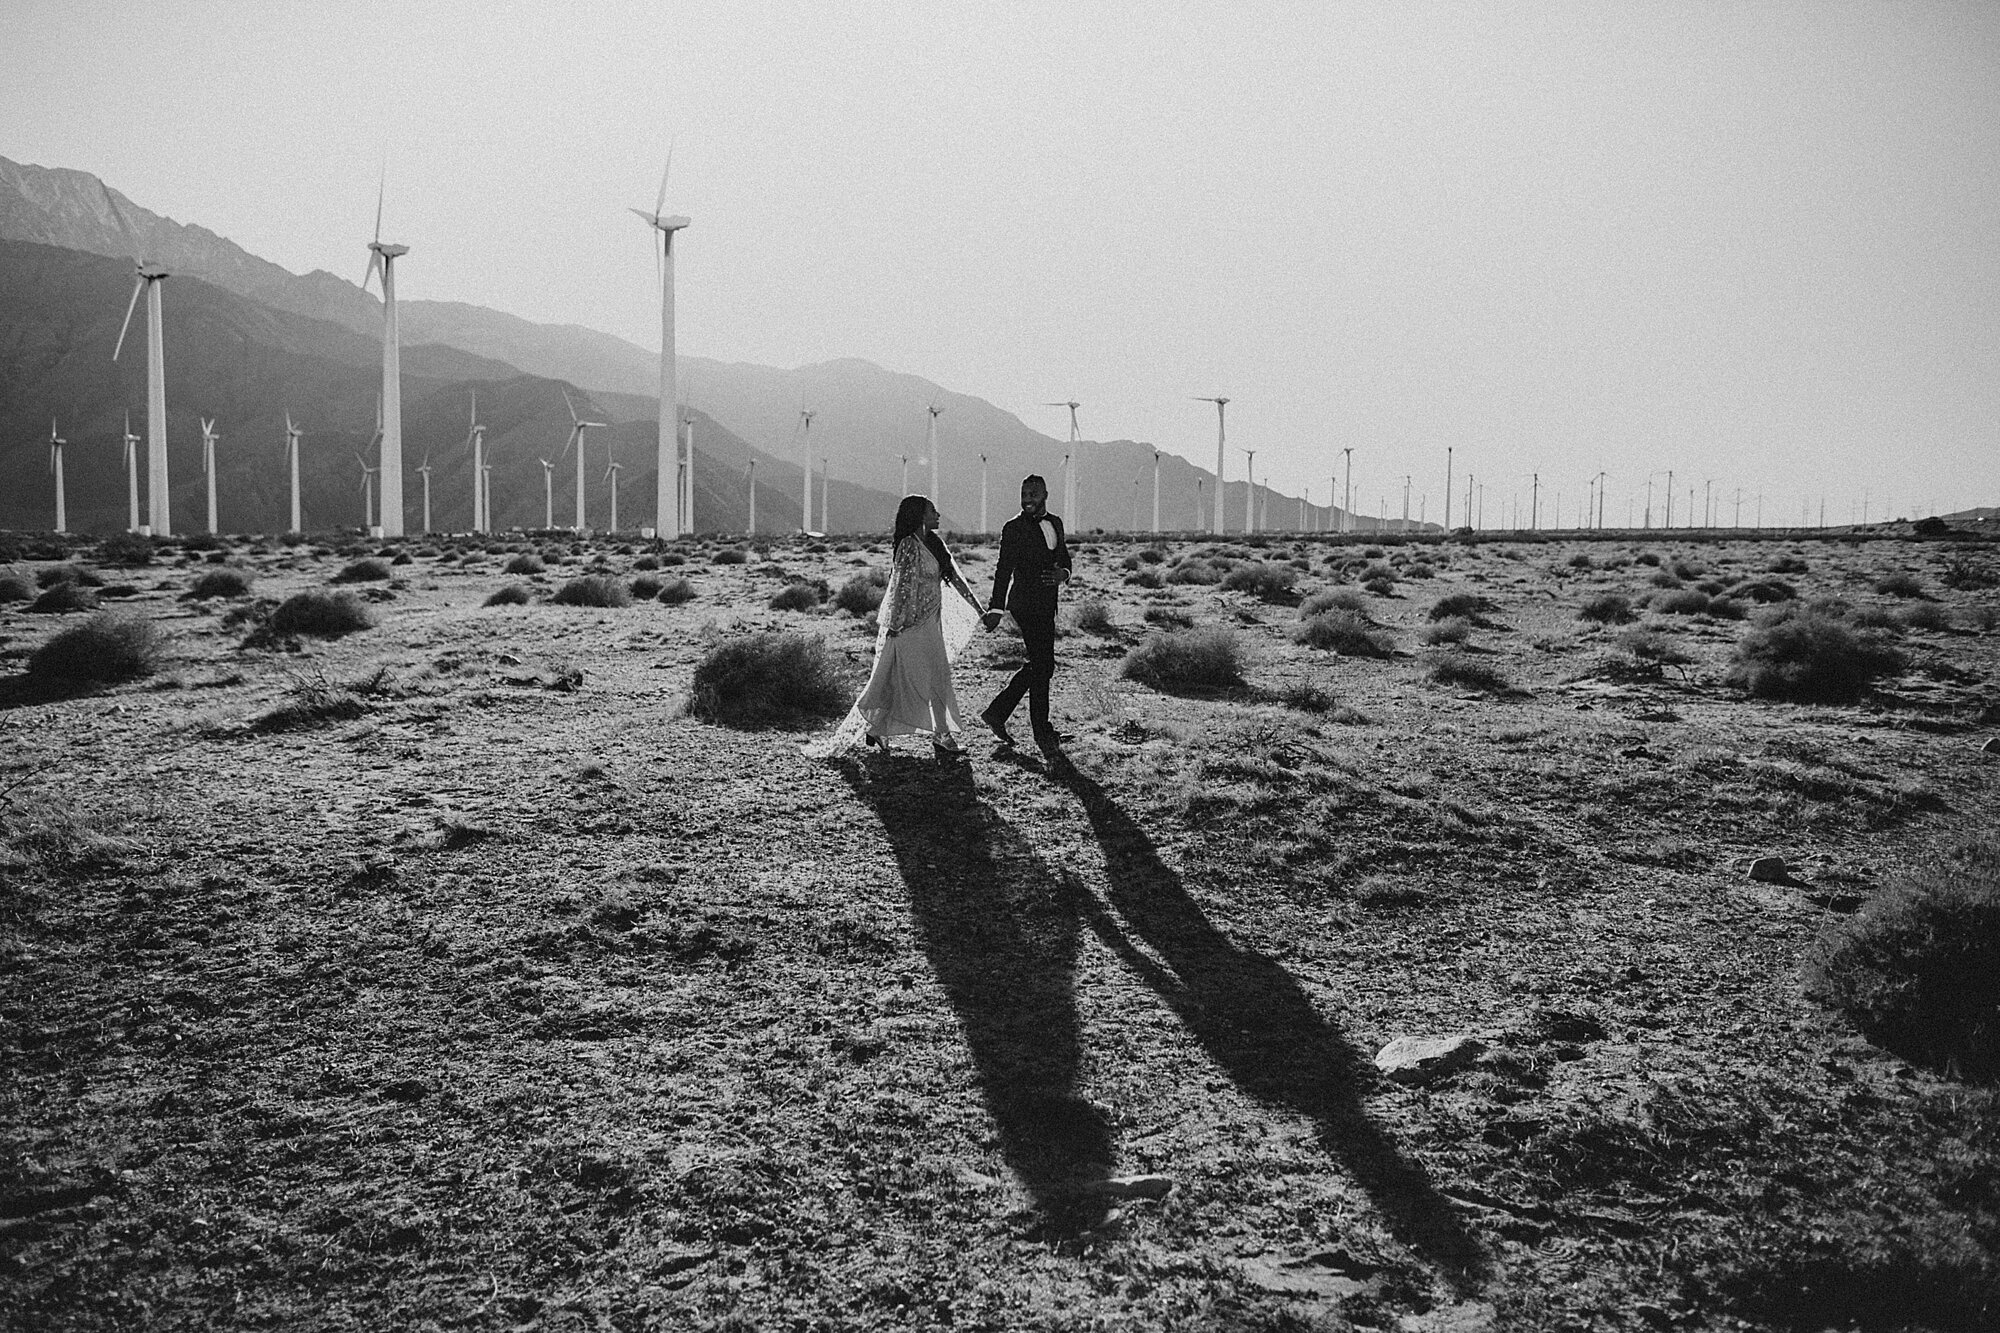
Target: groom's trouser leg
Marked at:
1038, 639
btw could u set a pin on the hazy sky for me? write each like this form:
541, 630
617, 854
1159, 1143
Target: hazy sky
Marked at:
1758, 243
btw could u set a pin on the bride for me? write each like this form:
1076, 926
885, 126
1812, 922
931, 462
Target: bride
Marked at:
910, 691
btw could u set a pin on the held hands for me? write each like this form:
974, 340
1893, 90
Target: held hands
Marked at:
992, 619
1055, 576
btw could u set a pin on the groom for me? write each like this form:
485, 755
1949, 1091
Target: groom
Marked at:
1034, 564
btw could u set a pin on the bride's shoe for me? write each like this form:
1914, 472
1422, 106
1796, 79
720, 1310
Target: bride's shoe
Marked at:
875, 742
946, 750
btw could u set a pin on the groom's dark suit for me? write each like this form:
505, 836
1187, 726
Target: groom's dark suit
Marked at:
1026, 555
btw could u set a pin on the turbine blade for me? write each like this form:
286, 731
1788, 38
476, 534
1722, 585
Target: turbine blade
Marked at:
381, 188
571, 406
374, 263
130, 306
661, 202
119, 215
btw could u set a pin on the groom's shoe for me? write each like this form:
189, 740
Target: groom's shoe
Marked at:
998, 725
1048, 738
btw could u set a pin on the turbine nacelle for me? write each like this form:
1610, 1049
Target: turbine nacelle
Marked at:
664, 222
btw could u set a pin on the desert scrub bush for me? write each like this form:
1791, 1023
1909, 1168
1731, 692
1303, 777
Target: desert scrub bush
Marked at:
311, 700
1345, 631
1805, 655
593, 590
1918, 970
15, 588
645, 587
1764, 591
1092, 617
1455, 667
1925, 616
861, 595
1196, 572
524, 563
1146, 576
795, 597
1607, 608
1680, 602
646, 562
222, 583
1647, 558
1465, 605
1967, 573
1153, 555
369, 570
126, 548
1380, 586
1167, 617
1452, 629
59, 597
1269, 583
676, 591
107, 647
773, 679
320, 614
733, 555
1900, 583
1582, 560
514, 594
1333, 599
1209, 658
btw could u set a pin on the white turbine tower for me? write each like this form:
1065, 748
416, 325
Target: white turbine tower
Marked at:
806, 416
937, 496
208, 439
611, 475
475, 437
367, 489
149, 276
577, 426
1220, 434
548, 493
687, 473
1070, 464
1250, 494
666, 505
751, 473
383, 258
425, 473
56, 443
131, 474
1156, 492
292, 456
984, 526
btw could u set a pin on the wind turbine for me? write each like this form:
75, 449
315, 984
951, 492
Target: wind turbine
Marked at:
806, 415
373, 440
486, 490
56, 443
1156, 492
751, 472
1347, 508
367, 492
149, 277
984, 526
577, 426
208, 439
131, 473
382, 258
425, 473
937, 496
687, 473
611, 475
292, 455
906, 475
1250, 495
1070, 464
548, 493
665, 496
475, 436
1221, 404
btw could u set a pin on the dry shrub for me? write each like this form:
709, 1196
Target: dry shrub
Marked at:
1969, 573
862, 594
312, 701
1209, 658
1764, 591
15, 588
1900, 583
1333, 599
1092, 617
594, 590
1681, 602
1926, 616
1918, 970
1167, 617
1146, 576
222, 583
1467, 672
1806, 655
514, 594
1787, 564
59, 597
320, 614
105, 648
1345, 631
50, 576
1466, 605
733, 555
1269, 583
1452, 629
1194, 571
1608, 608
126, 548
773, 679
525, 563
645, 587
370, 570
646, 562
795, 597
676, 591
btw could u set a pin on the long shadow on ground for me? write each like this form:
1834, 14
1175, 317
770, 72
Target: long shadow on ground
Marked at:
1001, 930
1255, 1021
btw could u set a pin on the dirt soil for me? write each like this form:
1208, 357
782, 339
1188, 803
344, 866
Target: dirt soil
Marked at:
488, 989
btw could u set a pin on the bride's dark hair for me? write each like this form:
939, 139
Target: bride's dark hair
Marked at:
910, 523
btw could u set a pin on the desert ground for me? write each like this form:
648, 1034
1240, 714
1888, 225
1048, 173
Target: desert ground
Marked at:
454, 973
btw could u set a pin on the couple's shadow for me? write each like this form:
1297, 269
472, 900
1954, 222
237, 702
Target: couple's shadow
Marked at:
1002, 929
